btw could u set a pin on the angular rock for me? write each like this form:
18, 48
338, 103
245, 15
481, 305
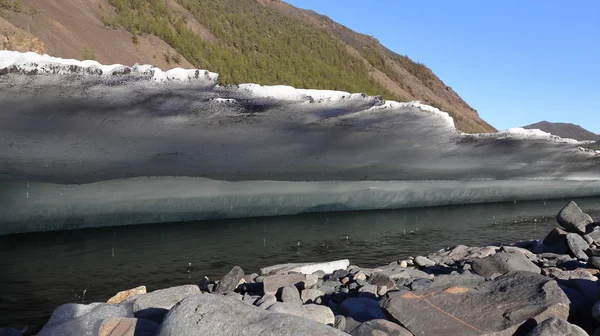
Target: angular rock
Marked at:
594, 262
557, 235
573, 219
424, 262
230, 281
154, 305
503, 262
127, 327
290, 294
361, 309
313, 312
557, 327
380, 279
360, 276
498, 306
221, 316
310, 295
79, 319
274, 282
124, 295
577, 246
250, 277
594, 235
266, 301
306, 268
379, 327
338, 274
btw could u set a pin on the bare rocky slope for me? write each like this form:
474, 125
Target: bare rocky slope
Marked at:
565, 130
83, 29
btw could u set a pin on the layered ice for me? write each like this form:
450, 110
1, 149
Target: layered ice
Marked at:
81, 127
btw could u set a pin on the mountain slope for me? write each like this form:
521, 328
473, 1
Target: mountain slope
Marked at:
261, 41
565, 130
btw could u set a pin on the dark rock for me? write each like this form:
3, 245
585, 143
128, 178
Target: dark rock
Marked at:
313, 312
464, 279
290, 294
10, 332
340, 322
203, 285
420, 284
230, 281
123, 326
557, 235
220, 316
501, 305
577, 246
557, 327
379, 327
154, 305
596, 311
79, 319
503, 262
380, 279
338, 274
594, 261
587, 288
573, 219
361, 309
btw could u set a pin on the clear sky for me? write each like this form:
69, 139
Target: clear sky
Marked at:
517, 62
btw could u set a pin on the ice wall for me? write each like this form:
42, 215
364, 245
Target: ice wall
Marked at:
78, 122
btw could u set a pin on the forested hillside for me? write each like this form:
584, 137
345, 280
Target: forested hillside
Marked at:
260, 41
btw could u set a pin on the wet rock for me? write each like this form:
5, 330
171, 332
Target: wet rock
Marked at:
154, 305
273, 283
230, 281
424, 262
577, 246
79, 319
220, 316
127, 327
266, 301
379, 327
290, 294
573, 219
306, 268
555, 236
556, 327
313, 312
124, 295
503, 262
361, 309
310, 295
492, 306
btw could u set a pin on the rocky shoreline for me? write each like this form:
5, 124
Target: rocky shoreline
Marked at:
534, 288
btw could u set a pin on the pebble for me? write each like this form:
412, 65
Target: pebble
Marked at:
403, 263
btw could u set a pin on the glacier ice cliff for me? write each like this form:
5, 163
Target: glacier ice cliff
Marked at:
83, 134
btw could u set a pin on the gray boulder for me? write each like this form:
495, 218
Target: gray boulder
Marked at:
230, 281
380, 327
79, 319
577, 246
424, 262
340, 322
154, 305
313, 312
557, 327
290, 294
499, 306
557, 235
573, 219
503, 262
123, 326
361, 309
221, 316
310, 295
266, 301
273, 283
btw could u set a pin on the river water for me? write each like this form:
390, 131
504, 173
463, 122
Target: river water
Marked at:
40, 271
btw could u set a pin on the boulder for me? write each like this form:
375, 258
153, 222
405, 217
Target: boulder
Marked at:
557, 327
221, 316
379, 327
380, 279
503, 262
496, 307
271, 284
340, 322
290, 294
555, 236
230, 281
361, 309
154, 305
573, 219
307, 268
266, 301
79, 319
310, 295
314, 312
577, 246
123, 326
368, 291
461, 253
424, 262
124, 295
420, 284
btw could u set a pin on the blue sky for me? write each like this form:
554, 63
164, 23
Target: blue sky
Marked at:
516, 62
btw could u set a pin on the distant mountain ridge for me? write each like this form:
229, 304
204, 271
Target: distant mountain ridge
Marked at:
258, 41
565, 130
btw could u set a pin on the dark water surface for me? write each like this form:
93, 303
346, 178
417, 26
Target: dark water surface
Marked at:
40, 271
